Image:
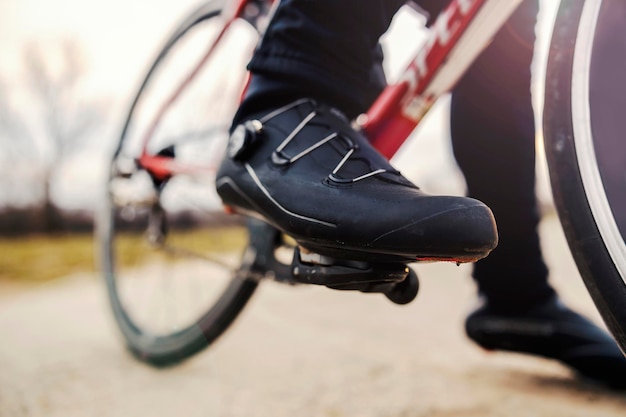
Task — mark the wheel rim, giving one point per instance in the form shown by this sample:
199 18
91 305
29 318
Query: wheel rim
141 322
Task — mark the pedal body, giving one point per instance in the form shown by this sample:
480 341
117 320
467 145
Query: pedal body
396 280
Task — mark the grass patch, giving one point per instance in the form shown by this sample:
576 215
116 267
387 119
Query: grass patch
41 258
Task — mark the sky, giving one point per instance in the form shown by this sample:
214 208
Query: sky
119 38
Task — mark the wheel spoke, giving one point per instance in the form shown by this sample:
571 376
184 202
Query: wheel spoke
172 258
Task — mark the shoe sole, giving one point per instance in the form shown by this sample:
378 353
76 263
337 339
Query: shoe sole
361 254
381 257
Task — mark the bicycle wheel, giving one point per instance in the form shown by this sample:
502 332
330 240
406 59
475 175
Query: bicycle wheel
171 259
585 147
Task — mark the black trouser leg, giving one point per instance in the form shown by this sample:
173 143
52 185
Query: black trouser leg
493 135
323 49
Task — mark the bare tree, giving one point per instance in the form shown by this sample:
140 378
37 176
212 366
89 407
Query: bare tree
16 148
12 128
56 121
66 119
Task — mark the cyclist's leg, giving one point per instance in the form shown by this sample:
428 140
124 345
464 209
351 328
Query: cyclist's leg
493 134
493 131
325 50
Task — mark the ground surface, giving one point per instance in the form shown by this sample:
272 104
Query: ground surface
294 352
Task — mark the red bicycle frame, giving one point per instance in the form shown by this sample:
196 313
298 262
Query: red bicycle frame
460 32
458 35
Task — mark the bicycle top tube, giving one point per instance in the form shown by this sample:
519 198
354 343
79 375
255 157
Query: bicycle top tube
459 34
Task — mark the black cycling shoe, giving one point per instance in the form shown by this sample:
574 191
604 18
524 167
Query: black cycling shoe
303 169
553 331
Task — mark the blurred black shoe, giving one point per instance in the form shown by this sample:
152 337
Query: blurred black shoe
553 331
304 169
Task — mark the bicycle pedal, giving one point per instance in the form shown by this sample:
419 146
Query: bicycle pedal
397 281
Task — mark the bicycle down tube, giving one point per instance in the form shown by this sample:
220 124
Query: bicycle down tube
457 37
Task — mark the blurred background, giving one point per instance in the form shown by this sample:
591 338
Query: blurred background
68 69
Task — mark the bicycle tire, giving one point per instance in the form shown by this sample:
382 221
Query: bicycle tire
584 95
173 345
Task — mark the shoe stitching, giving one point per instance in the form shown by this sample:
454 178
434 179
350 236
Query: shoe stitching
259 184
405 226
227 180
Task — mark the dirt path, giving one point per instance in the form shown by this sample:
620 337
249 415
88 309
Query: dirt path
294 352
